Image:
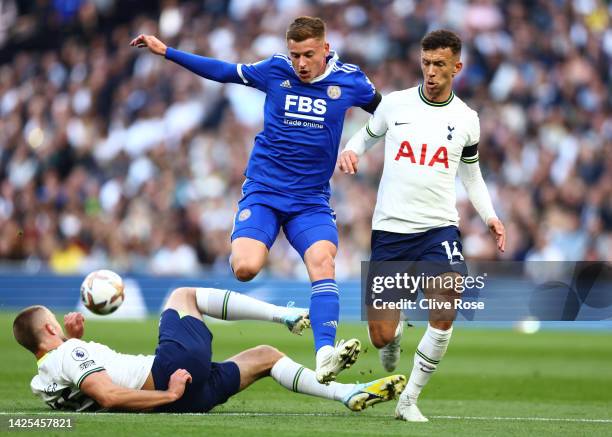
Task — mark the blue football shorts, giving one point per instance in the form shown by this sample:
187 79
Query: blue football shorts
261 214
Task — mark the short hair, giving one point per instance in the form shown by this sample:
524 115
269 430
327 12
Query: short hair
24 328
441 39
305 27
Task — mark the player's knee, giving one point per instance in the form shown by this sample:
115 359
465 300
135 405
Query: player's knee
245 270
381 337
181 297
321 263
268 356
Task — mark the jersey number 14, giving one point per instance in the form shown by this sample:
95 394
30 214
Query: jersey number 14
454 253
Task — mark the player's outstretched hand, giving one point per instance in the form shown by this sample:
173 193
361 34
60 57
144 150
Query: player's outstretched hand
179 379
348 162
74 324
155 45
499 232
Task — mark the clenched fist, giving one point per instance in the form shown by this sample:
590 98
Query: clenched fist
179 379
74 324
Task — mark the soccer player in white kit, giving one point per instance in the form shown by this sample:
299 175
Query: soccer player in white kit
180 377
430 136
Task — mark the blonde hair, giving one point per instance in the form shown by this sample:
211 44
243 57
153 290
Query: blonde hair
25 329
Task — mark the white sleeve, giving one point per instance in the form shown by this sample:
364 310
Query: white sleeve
469 172
78 362
371 133
474 130
476 189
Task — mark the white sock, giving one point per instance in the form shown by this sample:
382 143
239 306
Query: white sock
430 351
298 378
229 305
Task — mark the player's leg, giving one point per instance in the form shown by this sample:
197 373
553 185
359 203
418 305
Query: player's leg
248 257
314 235
385 330
430 351
255 229
434 343
264 361
324 298
385 326
230 305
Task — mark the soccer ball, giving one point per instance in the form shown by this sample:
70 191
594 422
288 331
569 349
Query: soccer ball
102 292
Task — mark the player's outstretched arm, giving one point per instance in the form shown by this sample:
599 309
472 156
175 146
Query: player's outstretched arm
74 323
101 388
208 68
477 191
363 140
359 143
151 42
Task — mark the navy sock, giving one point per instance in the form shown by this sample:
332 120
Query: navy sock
324 312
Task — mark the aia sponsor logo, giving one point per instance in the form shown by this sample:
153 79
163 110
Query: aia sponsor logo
439 157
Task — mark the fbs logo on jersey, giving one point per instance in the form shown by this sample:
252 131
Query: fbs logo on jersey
79 354
450 132
305 108
285 84
439 157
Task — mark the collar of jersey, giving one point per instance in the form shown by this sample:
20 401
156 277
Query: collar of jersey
432 103
43 358
333 57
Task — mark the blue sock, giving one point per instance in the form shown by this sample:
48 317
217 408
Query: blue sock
324 312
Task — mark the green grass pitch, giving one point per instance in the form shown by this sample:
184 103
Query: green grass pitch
491 382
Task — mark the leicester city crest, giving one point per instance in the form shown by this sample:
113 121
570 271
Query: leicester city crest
333 91
244 214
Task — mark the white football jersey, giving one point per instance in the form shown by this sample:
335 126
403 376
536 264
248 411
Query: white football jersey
424 143
62 370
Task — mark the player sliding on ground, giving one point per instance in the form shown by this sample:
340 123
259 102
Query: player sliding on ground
430 134
87 376
293 159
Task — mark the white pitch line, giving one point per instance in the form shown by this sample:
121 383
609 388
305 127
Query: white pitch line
260 414
526 419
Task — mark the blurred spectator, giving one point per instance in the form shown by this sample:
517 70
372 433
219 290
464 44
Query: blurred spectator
111 157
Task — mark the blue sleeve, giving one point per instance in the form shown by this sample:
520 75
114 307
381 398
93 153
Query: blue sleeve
256 75
208 68
364 90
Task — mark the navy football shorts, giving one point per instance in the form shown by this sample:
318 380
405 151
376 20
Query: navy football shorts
186 343
261 214
427 254
439 246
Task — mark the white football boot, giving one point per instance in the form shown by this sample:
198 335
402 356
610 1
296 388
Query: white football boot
408 411
296 319
332 360
390 354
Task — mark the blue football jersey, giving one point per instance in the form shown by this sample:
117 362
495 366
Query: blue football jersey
297 150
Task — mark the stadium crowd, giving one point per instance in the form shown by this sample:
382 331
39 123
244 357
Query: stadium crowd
112 157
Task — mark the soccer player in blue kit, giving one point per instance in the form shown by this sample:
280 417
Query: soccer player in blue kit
293 159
